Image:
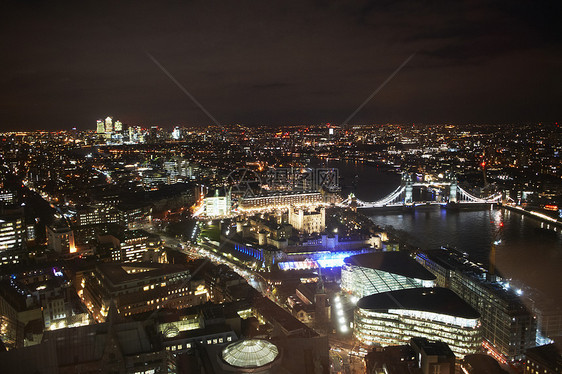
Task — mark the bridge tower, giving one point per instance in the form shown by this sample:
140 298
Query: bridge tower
409 188
453 188
353 203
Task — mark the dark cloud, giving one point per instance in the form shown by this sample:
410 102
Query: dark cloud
68 63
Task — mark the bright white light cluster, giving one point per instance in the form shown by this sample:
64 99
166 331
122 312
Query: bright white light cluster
437 317
341 315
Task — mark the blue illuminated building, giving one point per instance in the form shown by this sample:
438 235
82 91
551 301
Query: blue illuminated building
256 253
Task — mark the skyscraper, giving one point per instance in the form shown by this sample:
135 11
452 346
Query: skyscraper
100 129
12 230
109 125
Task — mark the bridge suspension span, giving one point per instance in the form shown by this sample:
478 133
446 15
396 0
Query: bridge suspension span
403 195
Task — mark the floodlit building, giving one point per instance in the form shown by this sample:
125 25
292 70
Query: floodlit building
393 318
371 273
282 200
308 221
218 204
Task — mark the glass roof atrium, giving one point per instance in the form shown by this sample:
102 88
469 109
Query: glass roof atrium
250 353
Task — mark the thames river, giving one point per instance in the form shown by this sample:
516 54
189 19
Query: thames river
528 251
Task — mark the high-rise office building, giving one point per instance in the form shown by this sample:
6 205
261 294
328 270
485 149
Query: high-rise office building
109 125
176 133
100 127
7 197
12 231
508 327
118 126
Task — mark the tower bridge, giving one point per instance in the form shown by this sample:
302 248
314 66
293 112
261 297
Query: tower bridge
403 195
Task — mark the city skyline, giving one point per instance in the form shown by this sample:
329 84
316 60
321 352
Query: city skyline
295 239
279 64
281 187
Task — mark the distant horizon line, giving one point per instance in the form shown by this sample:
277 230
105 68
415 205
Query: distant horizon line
316 125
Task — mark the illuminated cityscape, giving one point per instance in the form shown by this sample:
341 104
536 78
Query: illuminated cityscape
422 234
223 250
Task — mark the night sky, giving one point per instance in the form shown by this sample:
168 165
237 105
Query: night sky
68 63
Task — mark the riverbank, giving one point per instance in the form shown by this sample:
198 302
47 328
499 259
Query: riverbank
536 215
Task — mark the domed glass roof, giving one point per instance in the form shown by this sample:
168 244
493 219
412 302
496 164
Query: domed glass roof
250 353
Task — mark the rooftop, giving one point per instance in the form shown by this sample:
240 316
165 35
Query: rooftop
432 348
435 300
548 355
482 364
250 353
392 262
120 273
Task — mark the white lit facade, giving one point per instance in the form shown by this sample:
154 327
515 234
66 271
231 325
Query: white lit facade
100 127
217 205
109 125
398 326
308 221
97 214
393 318
12 233
281 200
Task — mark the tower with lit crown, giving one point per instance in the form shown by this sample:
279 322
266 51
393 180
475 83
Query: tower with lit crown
109 125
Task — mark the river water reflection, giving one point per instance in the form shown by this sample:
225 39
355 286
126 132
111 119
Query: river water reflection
528 251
